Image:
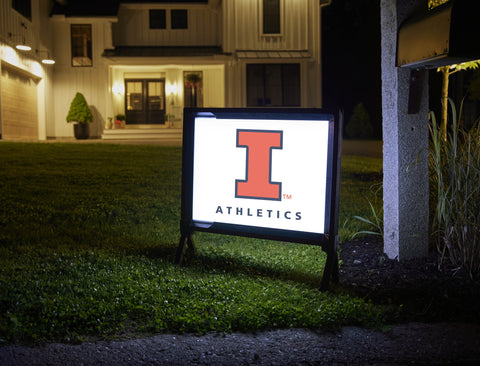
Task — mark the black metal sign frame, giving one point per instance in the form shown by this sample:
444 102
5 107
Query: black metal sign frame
328 240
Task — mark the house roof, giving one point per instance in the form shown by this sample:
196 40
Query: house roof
160 51
165 1
89 8
85 8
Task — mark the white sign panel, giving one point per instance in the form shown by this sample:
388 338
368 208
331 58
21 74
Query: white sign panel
260 172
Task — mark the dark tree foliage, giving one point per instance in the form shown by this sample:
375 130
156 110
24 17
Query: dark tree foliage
351 58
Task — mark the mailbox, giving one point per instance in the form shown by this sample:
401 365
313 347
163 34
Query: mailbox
446 35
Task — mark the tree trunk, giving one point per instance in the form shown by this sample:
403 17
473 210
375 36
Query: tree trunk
444 98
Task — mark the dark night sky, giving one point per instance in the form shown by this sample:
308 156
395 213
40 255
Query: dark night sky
351 58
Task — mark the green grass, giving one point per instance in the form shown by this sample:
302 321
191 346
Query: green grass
361 184
88 234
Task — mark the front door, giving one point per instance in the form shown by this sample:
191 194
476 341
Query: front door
145 101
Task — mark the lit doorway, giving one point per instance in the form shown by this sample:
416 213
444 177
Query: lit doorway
145 101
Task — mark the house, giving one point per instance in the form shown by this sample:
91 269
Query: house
147 60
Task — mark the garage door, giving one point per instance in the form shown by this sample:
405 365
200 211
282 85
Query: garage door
19 105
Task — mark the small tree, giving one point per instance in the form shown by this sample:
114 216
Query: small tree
359 125
446 72
79 110
434 3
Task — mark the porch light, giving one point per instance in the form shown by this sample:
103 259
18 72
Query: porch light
172 88
118 89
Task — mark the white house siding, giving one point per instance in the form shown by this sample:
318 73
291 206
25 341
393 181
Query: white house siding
242 19
91 81
214 87
233 25
299 42
133 27
14 27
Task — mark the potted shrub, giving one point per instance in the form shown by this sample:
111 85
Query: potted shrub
120 120
81 115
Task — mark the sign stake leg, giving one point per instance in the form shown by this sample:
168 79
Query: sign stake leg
331 271
185 242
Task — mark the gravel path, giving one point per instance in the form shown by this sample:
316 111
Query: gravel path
405 344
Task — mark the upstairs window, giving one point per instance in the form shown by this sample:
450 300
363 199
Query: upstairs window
158 19
179 19
271 17
24 7
81 39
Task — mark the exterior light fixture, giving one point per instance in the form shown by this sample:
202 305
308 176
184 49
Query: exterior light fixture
172 88
118 89
22 44
46 60
172 91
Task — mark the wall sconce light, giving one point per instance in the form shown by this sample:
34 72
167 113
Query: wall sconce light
172 89
118 89
47 60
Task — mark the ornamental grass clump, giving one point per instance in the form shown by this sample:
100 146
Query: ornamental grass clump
455 181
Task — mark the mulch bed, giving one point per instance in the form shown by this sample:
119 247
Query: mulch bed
418 287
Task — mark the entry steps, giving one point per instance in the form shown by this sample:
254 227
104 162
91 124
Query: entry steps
148 133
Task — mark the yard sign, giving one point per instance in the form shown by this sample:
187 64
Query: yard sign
264 173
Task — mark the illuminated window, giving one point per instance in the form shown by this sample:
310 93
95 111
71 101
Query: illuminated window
81 45
145 101
134 95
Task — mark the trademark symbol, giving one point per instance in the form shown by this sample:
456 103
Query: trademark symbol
287 196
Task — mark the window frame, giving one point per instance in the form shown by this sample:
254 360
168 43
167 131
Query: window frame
153 13
263 80
262 5
145 113
88 46
178 11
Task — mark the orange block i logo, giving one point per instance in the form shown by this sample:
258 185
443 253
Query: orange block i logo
258 184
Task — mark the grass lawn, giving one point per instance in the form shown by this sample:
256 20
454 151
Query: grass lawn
88 234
